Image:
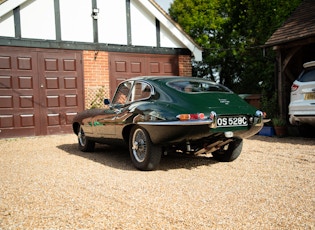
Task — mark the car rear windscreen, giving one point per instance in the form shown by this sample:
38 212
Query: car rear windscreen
307 75
197 86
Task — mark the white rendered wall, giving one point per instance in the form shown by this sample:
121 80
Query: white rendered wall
112 25
167 39
76 20
38 19
38 22
143 29
7 25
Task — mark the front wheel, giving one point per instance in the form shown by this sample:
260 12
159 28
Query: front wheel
144 154
231 153
85 145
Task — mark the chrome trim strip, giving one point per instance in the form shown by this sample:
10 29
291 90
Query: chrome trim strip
166 123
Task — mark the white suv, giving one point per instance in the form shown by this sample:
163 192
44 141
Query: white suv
302 105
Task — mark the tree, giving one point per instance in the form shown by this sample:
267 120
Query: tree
232 33
201 20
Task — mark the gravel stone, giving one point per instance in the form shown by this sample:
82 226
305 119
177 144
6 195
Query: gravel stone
47 183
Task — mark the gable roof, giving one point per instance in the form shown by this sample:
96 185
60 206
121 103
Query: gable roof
9 5
151 6
168 22
300 25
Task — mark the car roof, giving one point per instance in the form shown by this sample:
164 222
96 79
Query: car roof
168 78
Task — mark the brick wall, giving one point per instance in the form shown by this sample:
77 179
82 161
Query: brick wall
184 65
96 77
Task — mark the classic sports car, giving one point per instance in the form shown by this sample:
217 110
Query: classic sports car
155 115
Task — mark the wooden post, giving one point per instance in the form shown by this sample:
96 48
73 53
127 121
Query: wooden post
280 83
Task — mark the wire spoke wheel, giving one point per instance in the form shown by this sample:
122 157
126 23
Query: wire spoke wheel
139 145
85 145
144 155
81 137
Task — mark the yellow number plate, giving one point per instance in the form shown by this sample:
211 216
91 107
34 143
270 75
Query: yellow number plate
309 96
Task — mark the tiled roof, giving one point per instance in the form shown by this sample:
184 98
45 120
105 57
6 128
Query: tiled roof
301 24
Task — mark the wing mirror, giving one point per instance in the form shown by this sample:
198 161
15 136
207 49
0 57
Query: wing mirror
106 101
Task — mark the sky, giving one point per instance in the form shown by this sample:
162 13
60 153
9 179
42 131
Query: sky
165 4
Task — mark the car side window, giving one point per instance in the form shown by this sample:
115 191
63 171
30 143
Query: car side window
122 93
140 91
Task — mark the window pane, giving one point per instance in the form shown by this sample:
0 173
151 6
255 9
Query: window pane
141 90
121 96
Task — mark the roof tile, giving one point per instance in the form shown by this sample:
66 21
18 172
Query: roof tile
301 24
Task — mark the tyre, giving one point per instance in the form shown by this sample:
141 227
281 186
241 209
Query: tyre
231 153
144 155
306 130
85 145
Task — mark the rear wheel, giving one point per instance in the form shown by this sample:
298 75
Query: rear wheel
306 130
231 153
85 145
144 154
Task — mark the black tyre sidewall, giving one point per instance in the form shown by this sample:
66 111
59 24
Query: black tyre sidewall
233 151
87 145
306 130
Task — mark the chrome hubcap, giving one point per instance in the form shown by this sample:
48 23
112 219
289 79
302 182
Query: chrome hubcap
135 145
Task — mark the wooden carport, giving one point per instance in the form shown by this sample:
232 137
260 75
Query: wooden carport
294 44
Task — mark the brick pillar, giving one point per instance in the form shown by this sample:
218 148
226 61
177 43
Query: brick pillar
96 77
184 64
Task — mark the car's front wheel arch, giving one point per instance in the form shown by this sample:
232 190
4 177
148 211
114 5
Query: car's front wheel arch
126 132
76 127
85 144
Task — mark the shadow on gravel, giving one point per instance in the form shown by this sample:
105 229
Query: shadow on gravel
118 157
285 140
177 161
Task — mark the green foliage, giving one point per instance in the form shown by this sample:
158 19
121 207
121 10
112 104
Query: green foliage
231 33
98 101
278 121
269 104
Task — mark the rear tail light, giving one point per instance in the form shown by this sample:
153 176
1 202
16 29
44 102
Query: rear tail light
187 117
294 87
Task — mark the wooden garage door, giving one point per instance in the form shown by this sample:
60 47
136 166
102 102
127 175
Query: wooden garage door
40 91
125 65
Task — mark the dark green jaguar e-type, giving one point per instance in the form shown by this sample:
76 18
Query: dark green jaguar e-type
155 115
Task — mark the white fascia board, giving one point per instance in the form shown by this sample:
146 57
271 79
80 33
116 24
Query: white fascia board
181 35
10 5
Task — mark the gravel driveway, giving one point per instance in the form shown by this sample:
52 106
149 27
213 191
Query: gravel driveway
46 183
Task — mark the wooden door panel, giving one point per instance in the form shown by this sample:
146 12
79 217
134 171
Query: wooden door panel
62 86
127 65
40 91
19 106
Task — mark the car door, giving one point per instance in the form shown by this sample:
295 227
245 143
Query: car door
105 124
